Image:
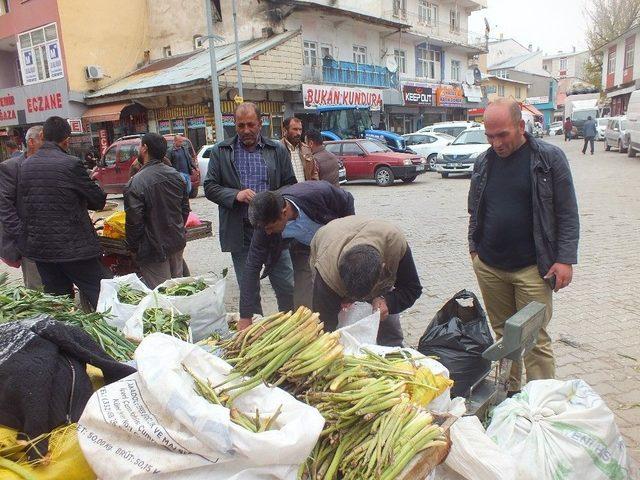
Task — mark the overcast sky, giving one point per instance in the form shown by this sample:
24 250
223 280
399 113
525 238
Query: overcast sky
551 25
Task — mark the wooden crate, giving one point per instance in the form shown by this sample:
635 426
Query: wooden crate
424 463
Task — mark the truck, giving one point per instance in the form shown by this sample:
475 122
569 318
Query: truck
346 122
579 107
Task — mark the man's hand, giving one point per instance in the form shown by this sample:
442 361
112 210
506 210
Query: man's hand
563 274
245 196
244 323
380 303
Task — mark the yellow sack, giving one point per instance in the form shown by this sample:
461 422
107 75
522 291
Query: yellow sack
425 385
64 460
114 225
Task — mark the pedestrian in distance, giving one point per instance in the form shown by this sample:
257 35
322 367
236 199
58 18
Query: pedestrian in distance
327 162
567 126
56 194
304 166
288 218
180 157
357 259
13 149
156 203
10 224
523 228
239 168
590 131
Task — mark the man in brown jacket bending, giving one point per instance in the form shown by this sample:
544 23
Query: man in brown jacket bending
360 259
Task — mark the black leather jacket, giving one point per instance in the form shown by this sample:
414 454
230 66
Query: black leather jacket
556 225
157 206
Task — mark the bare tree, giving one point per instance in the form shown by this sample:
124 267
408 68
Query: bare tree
606 20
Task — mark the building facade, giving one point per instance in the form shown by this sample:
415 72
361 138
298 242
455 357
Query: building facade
621 69
568 70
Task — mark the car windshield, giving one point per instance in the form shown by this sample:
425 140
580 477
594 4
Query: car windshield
371 146
445 136
471 137
583 115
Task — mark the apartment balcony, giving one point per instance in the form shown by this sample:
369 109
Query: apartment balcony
357 74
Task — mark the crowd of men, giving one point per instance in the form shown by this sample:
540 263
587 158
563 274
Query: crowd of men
283 215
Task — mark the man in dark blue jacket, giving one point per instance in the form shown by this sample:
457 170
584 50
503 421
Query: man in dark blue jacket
288 218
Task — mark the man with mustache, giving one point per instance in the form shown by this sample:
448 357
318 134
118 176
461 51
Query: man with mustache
304 165
239 168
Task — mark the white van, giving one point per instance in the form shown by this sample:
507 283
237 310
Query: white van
633 123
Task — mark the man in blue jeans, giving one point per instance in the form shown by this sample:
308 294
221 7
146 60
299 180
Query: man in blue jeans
239 168
181 160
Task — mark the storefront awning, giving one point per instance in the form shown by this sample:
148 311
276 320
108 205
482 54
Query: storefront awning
105 113
531 109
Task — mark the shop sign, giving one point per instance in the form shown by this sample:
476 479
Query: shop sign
104 140
449 96
75 124
40 54
537 100
177 125
197 122
164 126
34 103
314 96
413 95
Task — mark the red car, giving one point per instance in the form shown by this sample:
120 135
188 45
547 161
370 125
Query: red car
367 159
112 172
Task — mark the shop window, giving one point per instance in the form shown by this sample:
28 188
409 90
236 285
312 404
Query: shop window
359 54
40 55
166 51
276 126
310 53
401 60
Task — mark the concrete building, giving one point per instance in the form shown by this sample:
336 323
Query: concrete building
567 69
621 69
47 64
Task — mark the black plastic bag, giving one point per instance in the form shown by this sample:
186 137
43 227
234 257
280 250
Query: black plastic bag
458 335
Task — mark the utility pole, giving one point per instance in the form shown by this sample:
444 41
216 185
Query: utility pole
238 65
217 113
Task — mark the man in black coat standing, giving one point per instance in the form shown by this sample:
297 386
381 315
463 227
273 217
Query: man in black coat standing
239 168
58 235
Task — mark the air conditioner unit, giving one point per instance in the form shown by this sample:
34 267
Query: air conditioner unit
94 72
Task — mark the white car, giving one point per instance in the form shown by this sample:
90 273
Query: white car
428 145
454 128
203 159
556 129
460 156
601 127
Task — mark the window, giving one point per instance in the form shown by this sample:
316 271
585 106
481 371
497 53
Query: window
399 8
110 157
611 63
401 60
428 62
427 13
629 48
502 74
333 148
456 66
454 21
518 92
198 41
216 11
359 54
40 55
326 50
501 90
351 148
563 64
166 51
310 53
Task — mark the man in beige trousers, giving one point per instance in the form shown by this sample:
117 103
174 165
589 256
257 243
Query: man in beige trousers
523 228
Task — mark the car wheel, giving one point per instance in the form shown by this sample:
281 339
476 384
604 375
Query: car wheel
409 179
607 147
621 148
630 152
384 176
194 192
431 159
445 175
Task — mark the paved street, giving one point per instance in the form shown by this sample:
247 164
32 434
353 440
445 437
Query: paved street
596 319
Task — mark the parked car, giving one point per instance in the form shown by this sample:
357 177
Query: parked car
616 134
601 126
112 171
460 156
428 145
556 129
450 128
633 124
369 159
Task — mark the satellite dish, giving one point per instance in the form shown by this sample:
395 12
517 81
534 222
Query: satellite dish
392 65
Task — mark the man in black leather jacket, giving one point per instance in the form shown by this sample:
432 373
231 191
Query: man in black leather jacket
55 194
156 203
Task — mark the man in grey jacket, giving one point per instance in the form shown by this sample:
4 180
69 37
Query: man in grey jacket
523 228
239 168
590 130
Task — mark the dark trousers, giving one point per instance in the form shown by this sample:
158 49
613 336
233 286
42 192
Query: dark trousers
567 136
586 141
59 278
302 275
